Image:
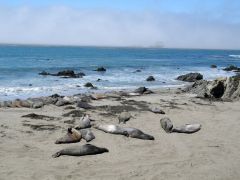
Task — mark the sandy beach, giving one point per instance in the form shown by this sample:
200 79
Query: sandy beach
26 146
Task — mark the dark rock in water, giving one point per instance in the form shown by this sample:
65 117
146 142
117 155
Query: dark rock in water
36 116
138 70
99 80
232 68
65 74
81 74
100 69
44 73
29 84
88 84
190 77
143 90
213 66
84 105
150 78
68 73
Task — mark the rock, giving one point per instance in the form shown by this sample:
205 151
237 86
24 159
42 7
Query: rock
232 68
37 105
68 73
143 90
150 78
89 85
81 74
124 117
156 110
55 96
44 73
213 66
99 80
190 77
84 105
100 69
138 70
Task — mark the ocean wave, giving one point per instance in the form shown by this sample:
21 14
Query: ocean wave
237 56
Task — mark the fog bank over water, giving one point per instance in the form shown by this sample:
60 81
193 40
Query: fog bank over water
63 25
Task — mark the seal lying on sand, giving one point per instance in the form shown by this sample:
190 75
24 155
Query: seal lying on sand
187 128
87 134
83 150
124 117
72 136
167 125
84 123
129 132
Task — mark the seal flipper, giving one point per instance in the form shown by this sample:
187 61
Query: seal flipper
57 154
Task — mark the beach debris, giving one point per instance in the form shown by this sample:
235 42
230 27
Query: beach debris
80 150
190 77
73 113
100 69
156 110
168 127
124 117
87 134
150 78
37 116
84 122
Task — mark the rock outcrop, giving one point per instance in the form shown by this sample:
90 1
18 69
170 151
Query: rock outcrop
190 77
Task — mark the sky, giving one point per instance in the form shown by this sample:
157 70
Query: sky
201 24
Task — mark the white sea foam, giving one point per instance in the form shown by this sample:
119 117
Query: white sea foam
237 56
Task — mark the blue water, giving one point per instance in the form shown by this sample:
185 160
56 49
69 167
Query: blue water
20 65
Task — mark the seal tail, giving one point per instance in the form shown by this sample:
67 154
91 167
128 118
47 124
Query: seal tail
57 154
147 137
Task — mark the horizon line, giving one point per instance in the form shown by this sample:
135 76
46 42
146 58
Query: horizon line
109 46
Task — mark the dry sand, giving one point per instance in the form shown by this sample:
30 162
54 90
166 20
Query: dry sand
211 153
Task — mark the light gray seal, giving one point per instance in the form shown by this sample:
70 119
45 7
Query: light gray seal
83 150
84 122
87 134
167 125
187 128
72 136
124 117
129 132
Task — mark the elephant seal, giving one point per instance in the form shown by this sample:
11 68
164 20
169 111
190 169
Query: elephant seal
72 136
113 129
129 132
85 122
83 150
87 134
166 124
124 117
136 133
187 128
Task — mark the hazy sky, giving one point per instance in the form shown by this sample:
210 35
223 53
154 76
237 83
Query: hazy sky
146 23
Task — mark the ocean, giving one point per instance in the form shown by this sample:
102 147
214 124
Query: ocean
20 65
